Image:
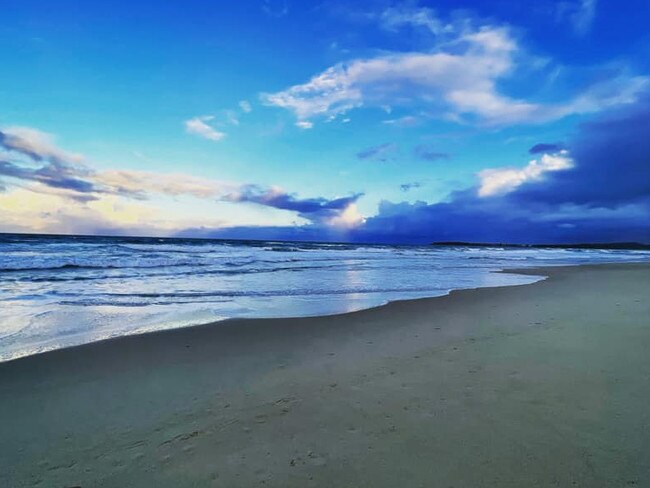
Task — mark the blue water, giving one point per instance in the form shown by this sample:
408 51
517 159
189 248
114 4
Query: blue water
62 291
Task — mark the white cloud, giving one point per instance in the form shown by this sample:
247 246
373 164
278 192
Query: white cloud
464 81
245 106
405 121
329 93
458 79
199 126
349 218
500 181
304 124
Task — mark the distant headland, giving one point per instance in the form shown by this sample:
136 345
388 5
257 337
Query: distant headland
582 245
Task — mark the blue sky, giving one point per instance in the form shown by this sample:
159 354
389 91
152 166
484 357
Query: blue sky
383 121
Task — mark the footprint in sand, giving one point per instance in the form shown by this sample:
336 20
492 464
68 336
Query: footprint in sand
261 418
316 459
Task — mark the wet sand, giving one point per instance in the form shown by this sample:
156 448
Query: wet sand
541 385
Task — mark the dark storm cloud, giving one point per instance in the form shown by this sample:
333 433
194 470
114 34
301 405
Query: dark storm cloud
315 209
36 146
612 164
52 175
59 170
15 171
11 142
477 221
605 196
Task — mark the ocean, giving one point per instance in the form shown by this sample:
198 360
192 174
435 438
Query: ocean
58 291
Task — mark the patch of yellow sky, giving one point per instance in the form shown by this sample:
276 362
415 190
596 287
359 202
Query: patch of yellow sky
36 208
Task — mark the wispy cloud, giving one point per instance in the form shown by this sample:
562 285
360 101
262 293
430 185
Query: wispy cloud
579 13
382 152
60 175
304 124
395 17
428 153
405 121
210 126
60 169
64 171
141 184
199 126
231 117
275 8
37 145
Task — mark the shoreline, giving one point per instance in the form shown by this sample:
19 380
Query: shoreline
520 271
539 385
226 321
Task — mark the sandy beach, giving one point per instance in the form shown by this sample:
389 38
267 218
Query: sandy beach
541 385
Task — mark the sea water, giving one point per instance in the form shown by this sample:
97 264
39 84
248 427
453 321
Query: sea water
61 291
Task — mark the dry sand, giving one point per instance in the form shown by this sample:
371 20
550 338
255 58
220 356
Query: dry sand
541 385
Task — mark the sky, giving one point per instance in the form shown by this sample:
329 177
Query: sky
367 121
